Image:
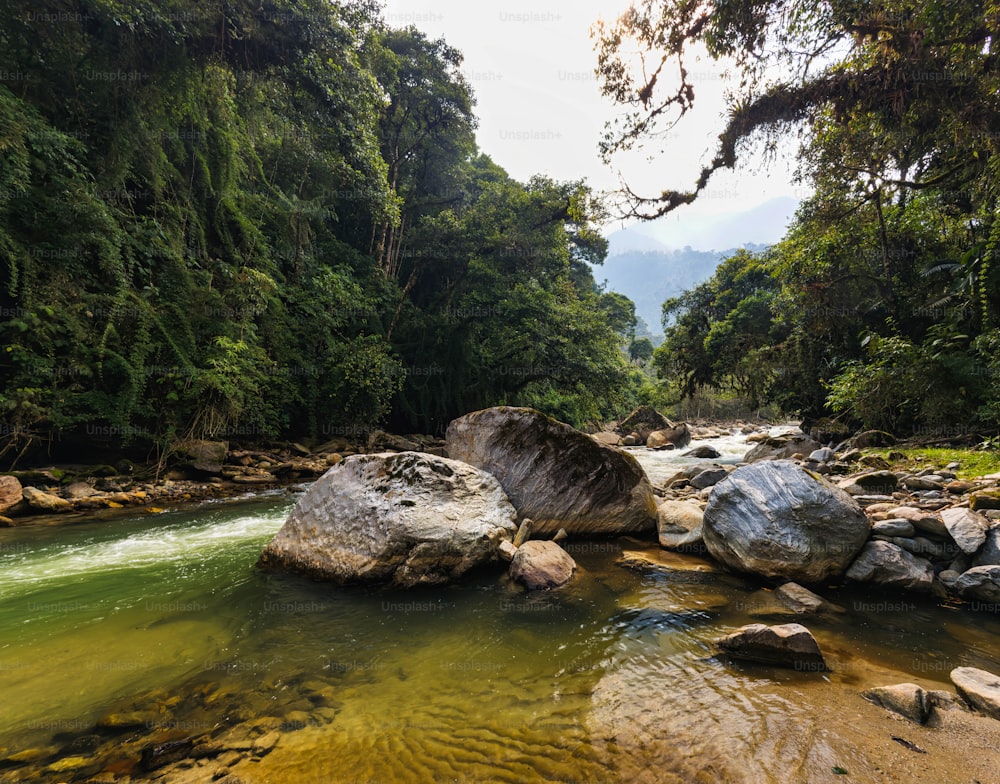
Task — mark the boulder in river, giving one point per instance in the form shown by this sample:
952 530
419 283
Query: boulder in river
11 493
679 524
541 565
885 563
786 645
554 474
703 452
979 688
400 519
674 437
776 519
643 421
782 447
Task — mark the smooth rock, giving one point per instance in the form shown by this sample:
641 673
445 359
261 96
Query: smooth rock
906 699
786 645
11 492
676 437
401 519
45 502
872 483
802 600
703 452
966 528
607 437
541 565
979 688
890 565
922 483
922 520
679 524
554 474
507 550
893 527
781 447
776 519
979 582
708 478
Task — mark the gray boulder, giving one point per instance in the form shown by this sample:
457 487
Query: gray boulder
786 645
776 519
966 527
679 524
708 478
872 483
703 452
206 457
885 563
894 527
554 474
540 565
399 519
989 554
782 447
979 688
979 582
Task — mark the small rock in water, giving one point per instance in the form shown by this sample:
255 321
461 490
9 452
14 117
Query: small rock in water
156 756
979 688
906 699
542 565
802 600
787 645
705 452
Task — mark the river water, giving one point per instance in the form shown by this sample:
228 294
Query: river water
612 679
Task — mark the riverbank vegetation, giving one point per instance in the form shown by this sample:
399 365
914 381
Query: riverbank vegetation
882 303
258 220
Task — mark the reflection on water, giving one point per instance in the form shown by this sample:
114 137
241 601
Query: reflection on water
157 629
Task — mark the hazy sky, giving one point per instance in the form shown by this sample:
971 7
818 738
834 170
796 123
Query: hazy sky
540 111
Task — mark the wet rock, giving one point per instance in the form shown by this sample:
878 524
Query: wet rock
704 452
206 457
45 502
966 528
401 519
906 699
979 688
161 754
979 582
786 645
554 474
266 743
643 421
11 493
782 447
776 519
679 524
708 478
128 720
540 565
893 527
801 600
675 437
888 564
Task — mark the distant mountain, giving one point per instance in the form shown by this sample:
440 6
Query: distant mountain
645 264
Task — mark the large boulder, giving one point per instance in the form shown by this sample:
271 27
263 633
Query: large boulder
643 421
776 519
11 493
541 565
398 519
675 437
885 563
206 457
786 645
782 447
554 474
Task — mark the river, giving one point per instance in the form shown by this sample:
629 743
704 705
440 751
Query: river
613 679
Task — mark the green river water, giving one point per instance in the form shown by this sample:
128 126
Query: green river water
613 679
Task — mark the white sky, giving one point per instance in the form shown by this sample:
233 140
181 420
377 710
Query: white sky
531 66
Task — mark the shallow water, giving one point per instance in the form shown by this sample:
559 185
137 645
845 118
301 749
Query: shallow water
611 679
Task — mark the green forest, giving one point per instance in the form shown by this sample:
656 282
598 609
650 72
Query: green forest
264 220
259 220
881 306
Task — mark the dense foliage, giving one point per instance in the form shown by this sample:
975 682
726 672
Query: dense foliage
248 220
882 304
